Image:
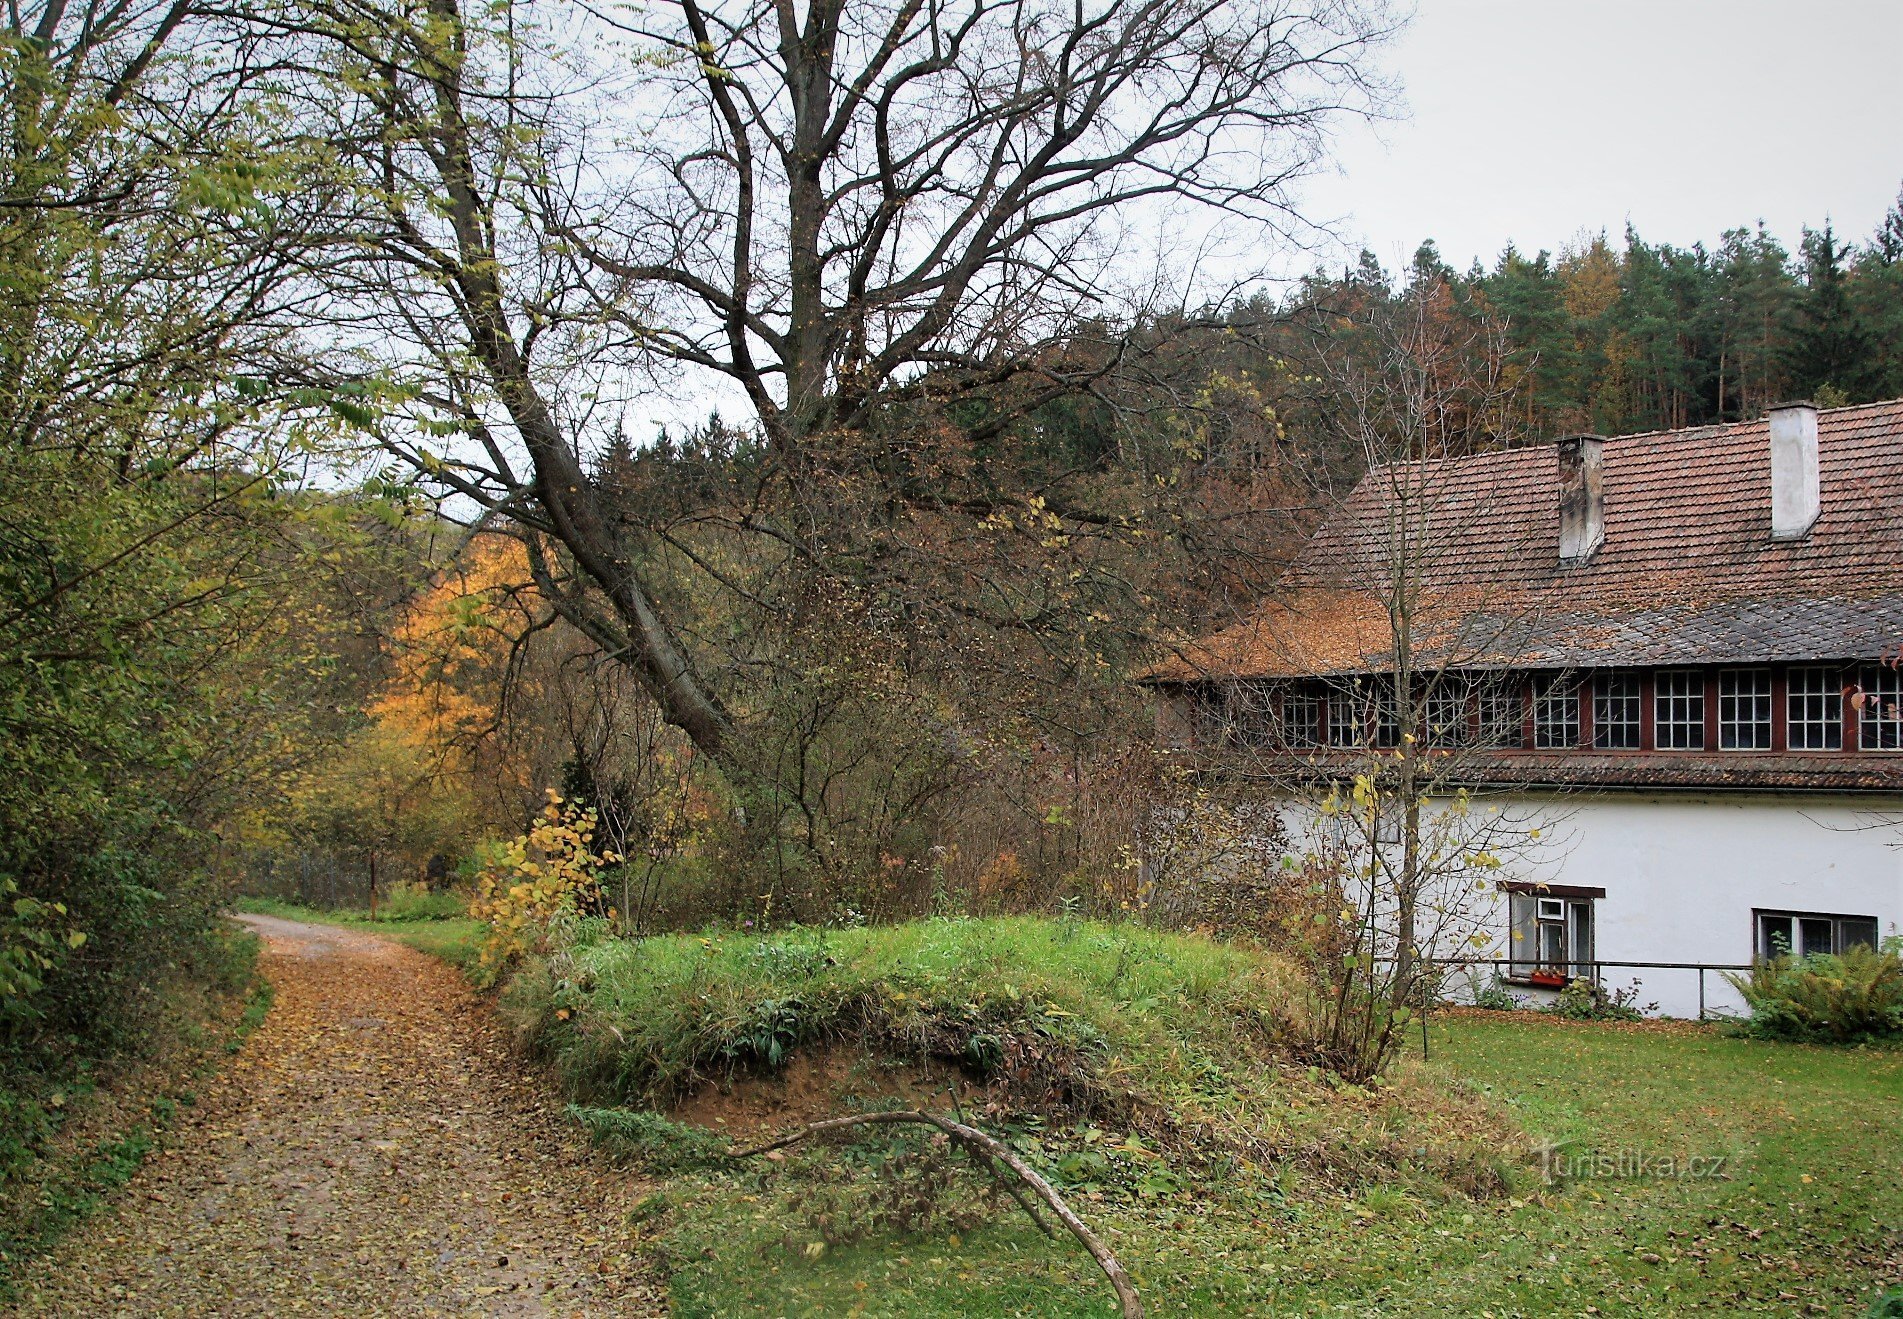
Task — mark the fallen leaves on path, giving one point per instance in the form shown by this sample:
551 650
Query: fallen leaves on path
372 1151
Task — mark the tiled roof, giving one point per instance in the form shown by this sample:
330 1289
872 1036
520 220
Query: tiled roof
1688 572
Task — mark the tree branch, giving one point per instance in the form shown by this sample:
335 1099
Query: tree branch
995 1152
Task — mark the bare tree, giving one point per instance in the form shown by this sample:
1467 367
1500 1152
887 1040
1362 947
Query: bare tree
1411 646
853 211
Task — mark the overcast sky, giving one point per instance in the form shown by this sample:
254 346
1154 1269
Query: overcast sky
1535 120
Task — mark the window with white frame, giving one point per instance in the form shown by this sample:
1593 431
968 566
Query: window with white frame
1250 714
1813 709
1387 716
1301 717
1444 713
1744 709
1678 710
1880 699
1347 725
1555 712
1615 711
1500 712
1811 934
1551 935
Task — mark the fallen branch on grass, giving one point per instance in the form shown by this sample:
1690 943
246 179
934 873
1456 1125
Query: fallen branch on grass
992 1153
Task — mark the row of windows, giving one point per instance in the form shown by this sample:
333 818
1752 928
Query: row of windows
1461 711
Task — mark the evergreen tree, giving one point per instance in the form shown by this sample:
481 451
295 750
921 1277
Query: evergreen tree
1758 296
1876 295
1526 294
1656 317
1887 246
1589 287
1830 347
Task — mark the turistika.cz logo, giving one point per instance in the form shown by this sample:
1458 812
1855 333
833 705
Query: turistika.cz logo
1559 1163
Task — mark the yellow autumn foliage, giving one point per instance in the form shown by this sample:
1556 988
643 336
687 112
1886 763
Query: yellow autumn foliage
537 879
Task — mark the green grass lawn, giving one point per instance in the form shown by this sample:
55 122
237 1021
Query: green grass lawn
455 939
1807 1218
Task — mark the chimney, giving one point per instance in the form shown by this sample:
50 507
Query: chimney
1794 489
1582 498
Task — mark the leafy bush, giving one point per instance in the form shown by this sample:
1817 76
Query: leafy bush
546 875
30 946
1494 996
1587 1000
1832 998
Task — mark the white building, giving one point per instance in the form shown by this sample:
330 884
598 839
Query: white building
1679 647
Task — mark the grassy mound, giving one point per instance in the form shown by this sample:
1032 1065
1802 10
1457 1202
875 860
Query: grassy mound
1044 1026
1066 1018
1143 1073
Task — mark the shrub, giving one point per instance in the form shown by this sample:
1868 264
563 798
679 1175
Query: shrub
1840 999
549 874
1494 996
1587 1000
657 1143
31 945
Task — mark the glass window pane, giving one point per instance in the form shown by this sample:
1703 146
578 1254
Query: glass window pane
1581 949
1881 699
1555 713
1744 709
1445 713
1678 710
1248 713
1552 944
1775 937
1346 724
1301 718
1500 713
1387 716
1817 935
1813 709
1523 937
1615 711
1856 931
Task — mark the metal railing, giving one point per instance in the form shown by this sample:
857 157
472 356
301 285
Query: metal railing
1591 968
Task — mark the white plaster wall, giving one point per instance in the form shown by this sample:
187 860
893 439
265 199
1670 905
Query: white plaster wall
1682 875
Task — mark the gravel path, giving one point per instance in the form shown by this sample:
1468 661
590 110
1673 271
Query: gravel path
372 1151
